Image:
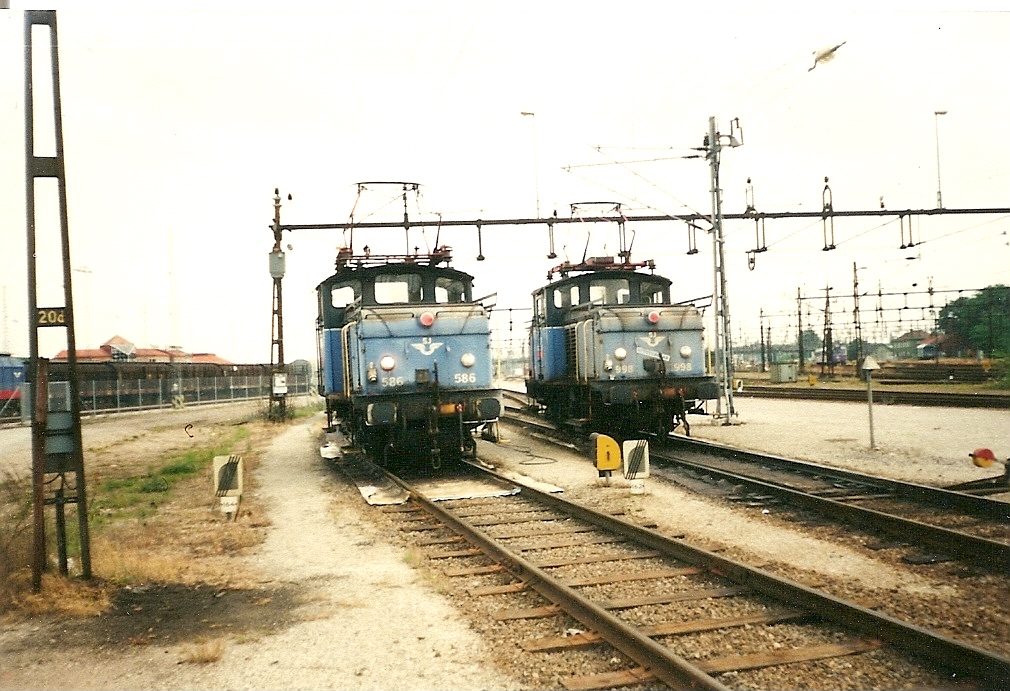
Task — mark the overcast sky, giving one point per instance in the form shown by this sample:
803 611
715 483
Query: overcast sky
178 124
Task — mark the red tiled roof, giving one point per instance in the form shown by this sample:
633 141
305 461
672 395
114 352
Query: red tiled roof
104 354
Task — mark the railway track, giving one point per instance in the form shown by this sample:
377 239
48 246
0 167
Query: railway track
610 603
940 524
997 401
934 524
945 399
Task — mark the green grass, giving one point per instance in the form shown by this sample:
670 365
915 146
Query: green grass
15 528
139 496
307 410
132 498
295 412
187 466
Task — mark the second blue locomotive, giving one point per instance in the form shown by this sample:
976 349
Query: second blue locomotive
405 359
609 349
12 377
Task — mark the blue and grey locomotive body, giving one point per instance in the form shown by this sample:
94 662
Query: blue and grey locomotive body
608 348
12 377
405 359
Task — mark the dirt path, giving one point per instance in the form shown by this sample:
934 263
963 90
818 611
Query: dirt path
341 609
329 601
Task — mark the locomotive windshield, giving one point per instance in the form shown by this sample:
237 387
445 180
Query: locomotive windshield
409 287
654 293
449 290
609 291
398 287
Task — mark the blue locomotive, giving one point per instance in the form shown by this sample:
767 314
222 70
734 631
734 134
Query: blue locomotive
405 361
12 376
609 350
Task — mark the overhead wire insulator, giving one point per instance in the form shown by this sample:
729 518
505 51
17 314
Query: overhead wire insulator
692 238
622 239
828 220
550 237
760 245
748 196
911 242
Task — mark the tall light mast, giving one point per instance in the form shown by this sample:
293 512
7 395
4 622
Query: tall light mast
714 143
278 384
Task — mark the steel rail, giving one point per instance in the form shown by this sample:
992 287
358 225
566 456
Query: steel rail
935 496
991 554
981 551
938 496
668 667
946 652
930 398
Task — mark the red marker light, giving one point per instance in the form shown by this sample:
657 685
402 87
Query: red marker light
427 319
983 458
653 317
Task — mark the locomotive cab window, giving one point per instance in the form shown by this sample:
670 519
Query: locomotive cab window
538 308
654 293
393 288
566 296
449 290
343 295
610 291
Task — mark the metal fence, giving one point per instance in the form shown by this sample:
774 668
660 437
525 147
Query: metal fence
141 394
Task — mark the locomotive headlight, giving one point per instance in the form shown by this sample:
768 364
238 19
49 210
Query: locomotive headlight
685 351
468 360
653 317
426 319
620 353
386 362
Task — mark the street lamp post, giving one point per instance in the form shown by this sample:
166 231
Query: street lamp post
870 364
936 127
536 167
714 143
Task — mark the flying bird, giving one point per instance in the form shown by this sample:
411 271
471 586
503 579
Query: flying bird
825 55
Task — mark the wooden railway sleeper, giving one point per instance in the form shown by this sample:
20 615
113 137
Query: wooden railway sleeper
655 660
